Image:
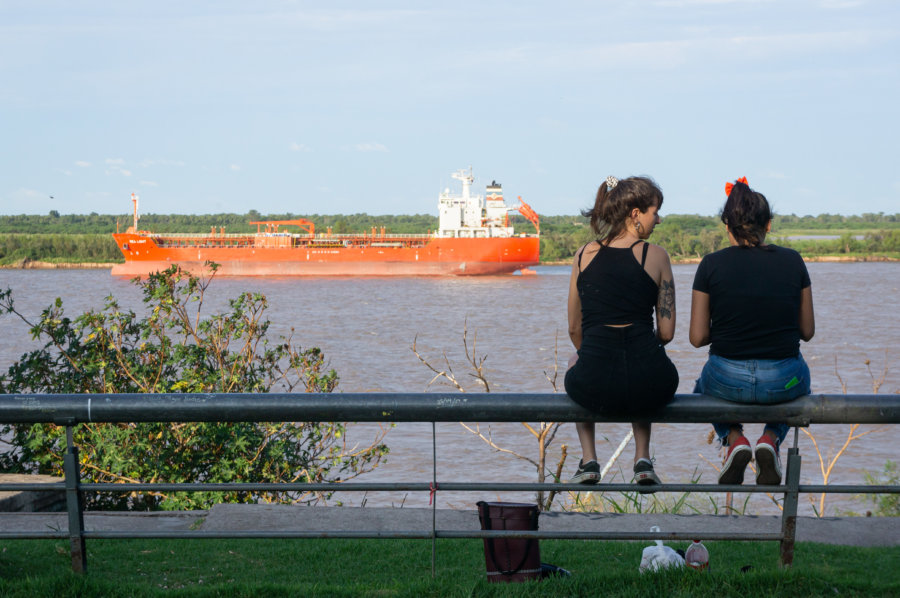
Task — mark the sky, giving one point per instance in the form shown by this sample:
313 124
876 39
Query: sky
344 107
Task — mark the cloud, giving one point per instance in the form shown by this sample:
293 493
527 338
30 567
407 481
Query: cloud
147 162
234 167
300 147
115 166
92 195
775 175
148 183
839 4
82 164
690 46
805 191
28 194
370 147
692 3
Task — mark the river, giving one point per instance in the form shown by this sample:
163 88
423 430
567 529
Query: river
366 327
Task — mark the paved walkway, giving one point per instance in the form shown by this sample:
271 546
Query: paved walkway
849 531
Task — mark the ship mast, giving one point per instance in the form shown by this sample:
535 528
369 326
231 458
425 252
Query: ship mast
467 179
134 200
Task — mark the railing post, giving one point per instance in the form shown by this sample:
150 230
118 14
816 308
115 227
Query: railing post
789 508
433 499
74 504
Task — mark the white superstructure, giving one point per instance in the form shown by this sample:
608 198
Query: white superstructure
470 215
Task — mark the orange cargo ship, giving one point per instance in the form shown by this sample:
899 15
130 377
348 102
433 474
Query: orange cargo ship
473 237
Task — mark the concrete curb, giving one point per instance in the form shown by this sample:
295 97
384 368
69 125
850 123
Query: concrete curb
846 531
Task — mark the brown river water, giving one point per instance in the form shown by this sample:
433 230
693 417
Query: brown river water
366 327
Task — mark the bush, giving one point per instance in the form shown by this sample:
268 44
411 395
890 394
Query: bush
886 505
174 349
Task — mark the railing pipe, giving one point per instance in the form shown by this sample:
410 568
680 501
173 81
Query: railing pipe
424 407
443 486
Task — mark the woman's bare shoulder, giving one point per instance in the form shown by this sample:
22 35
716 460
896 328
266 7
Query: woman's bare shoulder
588 249
585 254
656 252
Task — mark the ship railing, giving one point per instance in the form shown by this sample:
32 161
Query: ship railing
306 236
203 235
76 410
367 236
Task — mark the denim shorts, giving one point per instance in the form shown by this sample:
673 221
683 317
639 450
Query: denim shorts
759 381
755 381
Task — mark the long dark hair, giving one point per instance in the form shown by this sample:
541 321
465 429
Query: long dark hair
747 214
614 204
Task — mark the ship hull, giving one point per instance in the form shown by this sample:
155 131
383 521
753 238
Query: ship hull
436 257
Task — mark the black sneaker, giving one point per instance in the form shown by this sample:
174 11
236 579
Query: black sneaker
644 475
588 473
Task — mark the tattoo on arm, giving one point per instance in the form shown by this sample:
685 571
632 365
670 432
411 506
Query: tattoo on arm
666 302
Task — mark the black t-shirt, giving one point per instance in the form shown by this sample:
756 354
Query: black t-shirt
754 301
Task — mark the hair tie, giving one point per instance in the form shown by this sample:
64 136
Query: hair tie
611 182
730 186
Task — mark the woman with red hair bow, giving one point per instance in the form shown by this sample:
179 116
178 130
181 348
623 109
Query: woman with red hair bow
752 304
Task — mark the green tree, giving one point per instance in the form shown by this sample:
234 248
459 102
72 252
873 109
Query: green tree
174 348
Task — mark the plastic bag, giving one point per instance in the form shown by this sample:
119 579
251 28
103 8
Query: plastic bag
659 556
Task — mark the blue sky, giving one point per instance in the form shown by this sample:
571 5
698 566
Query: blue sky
345 107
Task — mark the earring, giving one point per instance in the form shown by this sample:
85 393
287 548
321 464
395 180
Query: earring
638 226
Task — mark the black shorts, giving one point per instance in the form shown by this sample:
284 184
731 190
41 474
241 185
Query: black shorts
622 371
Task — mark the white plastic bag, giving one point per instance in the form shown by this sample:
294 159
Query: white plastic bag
659 556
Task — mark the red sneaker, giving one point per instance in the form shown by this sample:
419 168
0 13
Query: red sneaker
768 463
739 455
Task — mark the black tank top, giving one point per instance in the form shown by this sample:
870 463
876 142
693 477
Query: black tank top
615 289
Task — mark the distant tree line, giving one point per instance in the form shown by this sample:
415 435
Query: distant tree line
691 236
198 223
86 238
94 223
60 248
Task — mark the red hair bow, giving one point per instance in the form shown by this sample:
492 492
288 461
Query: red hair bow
730 186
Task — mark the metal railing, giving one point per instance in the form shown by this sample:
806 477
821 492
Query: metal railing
73 410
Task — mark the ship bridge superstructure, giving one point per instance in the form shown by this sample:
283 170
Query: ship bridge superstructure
472 216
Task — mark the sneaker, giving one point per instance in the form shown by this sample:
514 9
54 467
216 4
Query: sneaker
588 473
644 474
768 464
739 455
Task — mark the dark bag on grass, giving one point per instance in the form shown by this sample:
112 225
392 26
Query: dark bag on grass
510 559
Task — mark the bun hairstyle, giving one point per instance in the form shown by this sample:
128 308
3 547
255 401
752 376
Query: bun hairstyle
615 201
746 213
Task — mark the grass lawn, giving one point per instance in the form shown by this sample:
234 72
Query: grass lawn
386 568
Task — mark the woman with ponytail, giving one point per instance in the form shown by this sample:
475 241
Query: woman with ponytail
752 304
617 283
